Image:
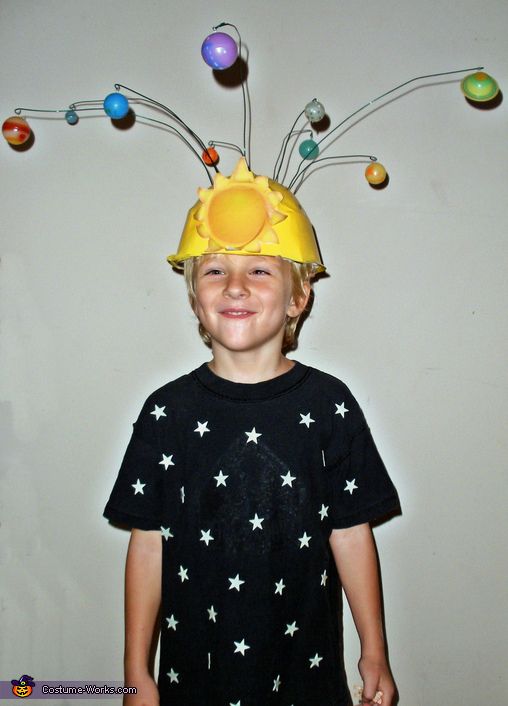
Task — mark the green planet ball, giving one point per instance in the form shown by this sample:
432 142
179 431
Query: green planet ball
479 87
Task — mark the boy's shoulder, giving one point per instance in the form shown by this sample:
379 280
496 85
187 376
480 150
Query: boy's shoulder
329 382
172 388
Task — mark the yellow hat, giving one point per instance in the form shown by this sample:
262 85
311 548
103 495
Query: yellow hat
247 214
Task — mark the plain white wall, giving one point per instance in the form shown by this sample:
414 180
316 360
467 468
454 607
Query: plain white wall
412 317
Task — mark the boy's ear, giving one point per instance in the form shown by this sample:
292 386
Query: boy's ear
297 304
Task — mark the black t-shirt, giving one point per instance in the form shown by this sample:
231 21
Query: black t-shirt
245 483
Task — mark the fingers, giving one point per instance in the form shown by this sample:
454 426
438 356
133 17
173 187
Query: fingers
378 699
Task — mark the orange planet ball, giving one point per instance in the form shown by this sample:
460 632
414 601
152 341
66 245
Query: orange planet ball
210 156
375 173
16 130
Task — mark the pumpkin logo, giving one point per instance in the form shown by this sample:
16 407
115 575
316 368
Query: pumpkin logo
23 686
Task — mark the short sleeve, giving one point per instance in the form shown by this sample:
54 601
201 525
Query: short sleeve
361 489
136 499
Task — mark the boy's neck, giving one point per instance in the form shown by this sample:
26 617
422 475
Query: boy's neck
249 367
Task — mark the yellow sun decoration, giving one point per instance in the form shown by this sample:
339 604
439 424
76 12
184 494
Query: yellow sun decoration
238 212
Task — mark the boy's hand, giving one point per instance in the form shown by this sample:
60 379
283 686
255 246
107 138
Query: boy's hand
148 693
378 685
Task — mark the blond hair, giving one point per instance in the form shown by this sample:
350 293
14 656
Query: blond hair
301 274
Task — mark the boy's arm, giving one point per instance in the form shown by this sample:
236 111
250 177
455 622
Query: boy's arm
142 602
356 560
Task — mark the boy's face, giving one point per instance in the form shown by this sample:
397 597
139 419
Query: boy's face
243 300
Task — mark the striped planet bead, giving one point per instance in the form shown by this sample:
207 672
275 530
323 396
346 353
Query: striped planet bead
16 130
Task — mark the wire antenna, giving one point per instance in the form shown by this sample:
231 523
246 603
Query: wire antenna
374 100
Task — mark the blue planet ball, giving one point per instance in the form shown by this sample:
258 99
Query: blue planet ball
116 106
72 117
219 50
308 149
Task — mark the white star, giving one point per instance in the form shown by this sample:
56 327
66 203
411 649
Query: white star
288 479
236 582
206 537
172 623
256 522
183 574
221 479
314 661
306 419
350 485
238 703
341 409
276 683
138 487
173 675
166 461
291 629
241 647
324 512
324 578
304 540
252 435
158 412
212 614
279 587
202 428
166 532
182 494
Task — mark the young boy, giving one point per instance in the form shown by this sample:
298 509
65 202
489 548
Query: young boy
249 484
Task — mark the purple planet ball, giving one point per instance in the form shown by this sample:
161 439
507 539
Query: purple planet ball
219 50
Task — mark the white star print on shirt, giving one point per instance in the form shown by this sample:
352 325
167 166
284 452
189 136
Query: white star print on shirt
238 703
291 628
172 623
236 582
252 435
221 479
279 587
323 512
183 574
166 532
341 409
288 479
173 676
256 522
166 461
212 614
159 412
206 537
324 578
276 683
138 487
350 485
202 428
241 647
306 419
304 540
314 661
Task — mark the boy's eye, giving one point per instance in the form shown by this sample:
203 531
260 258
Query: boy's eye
212 271
260 271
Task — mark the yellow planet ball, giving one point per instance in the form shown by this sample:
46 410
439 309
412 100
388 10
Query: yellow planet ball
375 173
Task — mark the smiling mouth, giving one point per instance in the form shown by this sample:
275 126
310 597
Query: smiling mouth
236 313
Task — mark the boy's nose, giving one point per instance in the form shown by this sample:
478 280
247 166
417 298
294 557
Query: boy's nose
236 287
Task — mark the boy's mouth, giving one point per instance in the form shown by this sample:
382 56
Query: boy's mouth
236 313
